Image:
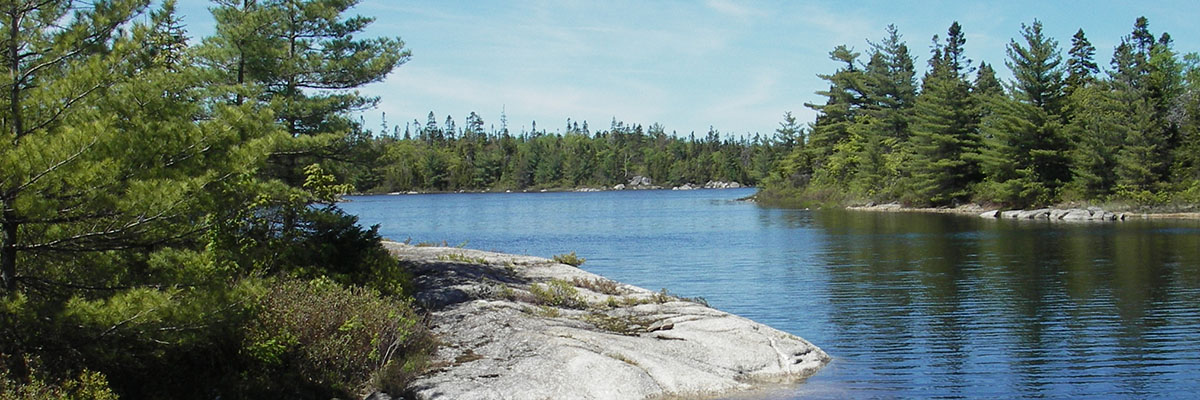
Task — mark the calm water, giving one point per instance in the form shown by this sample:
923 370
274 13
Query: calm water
925 306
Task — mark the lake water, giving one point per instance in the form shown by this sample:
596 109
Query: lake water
909 305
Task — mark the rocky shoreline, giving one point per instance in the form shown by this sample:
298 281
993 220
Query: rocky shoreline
1095 214
521 327
636 183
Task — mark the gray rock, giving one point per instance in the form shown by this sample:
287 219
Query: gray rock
640 181
1058 213
1076 214
619 186
990 214
496 344
1011 214
1041 213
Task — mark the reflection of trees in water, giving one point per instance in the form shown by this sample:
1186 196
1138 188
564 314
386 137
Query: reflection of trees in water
948 296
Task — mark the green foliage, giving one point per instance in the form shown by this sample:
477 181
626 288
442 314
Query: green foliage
320 339
557 293
1060 133
88 385
462 258
569 259
473 159
137 220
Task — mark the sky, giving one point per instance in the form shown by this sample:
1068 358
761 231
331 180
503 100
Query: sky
734 66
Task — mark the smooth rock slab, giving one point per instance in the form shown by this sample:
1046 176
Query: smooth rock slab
497 347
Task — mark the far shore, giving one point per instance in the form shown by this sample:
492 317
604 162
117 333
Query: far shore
543 190
973 209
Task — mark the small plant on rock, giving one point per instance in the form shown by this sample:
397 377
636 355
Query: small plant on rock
570 259
557 293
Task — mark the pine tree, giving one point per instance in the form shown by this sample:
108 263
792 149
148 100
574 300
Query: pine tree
1036 68
844 102
1097 129
115 160
941 170
301 57
1026 157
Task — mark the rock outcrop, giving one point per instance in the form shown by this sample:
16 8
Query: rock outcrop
1057 214
722 185
520 327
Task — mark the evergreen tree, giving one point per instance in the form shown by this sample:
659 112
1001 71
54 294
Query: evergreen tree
1081 64
844 102
1147 79
986 84
1097 128
1026 157
304 58
1036 68
945 129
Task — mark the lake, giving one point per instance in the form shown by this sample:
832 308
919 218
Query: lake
909 305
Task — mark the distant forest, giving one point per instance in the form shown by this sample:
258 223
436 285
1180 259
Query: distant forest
442 157
1064 130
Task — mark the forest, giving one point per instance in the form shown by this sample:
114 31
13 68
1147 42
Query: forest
168 219
433 157
1062 131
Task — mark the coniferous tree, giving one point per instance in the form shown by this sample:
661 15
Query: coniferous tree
1081 64
1026 157
945 128
1146 77
844 102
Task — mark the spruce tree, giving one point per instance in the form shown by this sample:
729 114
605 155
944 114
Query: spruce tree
1081 64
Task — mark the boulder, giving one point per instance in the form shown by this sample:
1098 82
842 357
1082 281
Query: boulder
1010 214
1041 213
990 214
619 186
1076 214
640 181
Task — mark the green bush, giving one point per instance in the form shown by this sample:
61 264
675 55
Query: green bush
88 385
570 259
321 339
557 293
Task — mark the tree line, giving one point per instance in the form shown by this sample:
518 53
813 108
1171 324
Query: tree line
442 157
1062 130
168 219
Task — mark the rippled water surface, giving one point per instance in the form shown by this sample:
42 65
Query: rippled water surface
909 305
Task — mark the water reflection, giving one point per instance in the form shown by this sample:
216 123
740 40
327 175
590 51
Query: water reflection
941 305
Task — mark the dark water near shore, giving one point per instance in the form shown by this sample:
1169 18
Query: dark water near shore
909 305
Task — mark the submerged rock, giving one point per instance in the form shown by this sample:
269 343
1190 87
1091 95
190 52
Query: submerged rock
504 338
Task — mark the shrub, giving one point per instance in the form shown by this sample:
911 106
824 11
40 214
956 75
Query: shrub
456 257
320 339
599 285
557 293
570 259
88 385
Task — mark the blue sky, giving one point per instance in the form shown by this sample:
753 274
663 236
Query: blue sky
688 65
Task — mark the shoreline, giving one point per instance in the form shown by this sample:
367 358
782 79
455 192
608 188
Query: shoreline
711 185
514 326
978 211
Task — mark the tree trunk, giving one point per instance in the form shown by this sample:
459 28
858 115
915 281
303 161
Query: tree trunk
8 252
